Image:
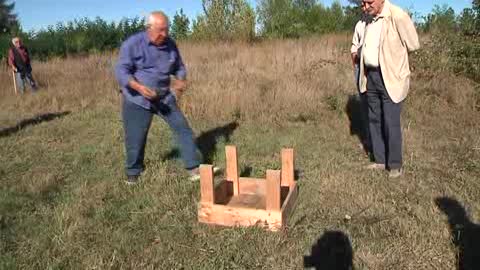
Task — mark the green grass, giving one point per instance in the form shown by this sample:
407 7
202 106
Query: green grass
63 204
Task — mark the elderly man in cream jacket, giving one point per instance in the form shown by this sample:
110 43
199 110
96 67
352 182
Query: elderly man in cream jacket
385 77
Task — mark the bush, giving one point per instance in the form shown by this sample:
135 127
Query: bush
295 18
225 20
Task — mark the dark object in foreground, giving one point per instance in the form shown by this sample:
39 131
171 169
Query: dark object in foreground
332 251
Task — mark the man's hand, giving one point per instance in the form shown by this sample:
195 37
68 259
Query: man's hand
143 90
354 59
179 87
148 93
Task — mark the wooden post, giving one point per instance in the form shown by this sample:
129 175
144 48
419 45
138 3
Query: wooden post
14 82
232 168
273 190
207 191
288 165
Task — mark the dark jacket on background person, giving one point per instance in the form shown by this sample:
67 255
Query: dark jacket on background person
19 57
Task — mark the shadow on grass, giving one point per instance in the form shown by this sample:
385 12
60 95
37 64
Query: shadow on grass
357 111
5 132
465 233
333 251
207 142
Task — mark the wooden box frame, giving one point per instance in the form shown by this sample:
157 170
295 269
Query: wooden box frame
242 201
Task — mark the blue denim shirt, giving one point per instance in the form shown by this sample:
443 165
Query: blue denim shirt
150 65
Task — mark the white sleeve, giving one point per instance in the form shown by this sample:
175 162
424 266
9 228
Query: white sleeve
356 38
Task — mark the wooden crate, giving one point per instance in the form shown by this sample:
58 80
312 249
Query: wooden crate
241 201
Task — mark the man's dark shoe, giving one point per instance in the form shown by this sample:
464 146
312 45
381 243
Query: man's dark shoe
132 180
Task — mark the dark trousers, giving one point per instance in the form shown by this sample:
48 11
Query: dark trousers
136 124
366 140
384 122
365 135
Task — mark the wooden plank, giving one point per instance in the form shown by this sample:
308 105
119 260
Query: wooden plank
248 186
15 83
288 167
232 167
252 185
289 204
206 184
239 216
251 179
273 190
253 201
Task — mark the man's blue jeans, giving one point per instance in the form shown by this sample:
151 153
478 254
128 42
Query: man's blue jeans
136 124
24 79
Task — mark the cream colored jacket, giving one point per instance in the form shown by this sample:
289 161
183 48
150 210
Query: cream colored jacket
398 37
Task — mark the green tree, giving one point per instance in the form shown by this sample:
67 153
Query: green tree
476 11
225 20
295 18
352 14
442 19
180 28
8 19
467 22
276 18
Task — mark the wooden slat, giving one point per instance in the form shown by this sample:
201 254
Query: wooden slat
232 168
273 190
206 184
253 201
239 216
288 167
289 204
251 179
252 185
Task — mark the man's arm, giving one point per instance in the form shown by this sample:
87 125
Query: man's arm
11 61
125 69
407 32
356 43
180 72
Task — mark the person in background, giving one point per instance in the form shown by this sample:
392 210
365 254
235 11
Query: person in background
19 62
146 62
385 78
355 50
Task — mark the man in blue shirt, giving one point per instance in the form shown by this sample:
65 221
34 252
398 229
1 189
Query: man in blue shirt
146 62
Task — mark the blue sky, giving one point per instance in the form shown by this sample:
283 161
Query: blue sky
35 14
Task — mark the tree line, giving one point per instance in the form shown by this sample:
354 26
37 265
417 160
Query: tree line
221 20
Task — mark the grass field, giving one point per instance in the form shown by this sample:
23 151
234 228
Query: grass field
63 203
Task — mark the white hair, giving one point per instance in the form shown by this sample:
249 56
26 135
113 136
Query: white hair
153 18
15 39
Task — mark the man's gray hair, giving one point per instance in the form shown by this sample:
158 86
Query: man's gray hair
152 17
